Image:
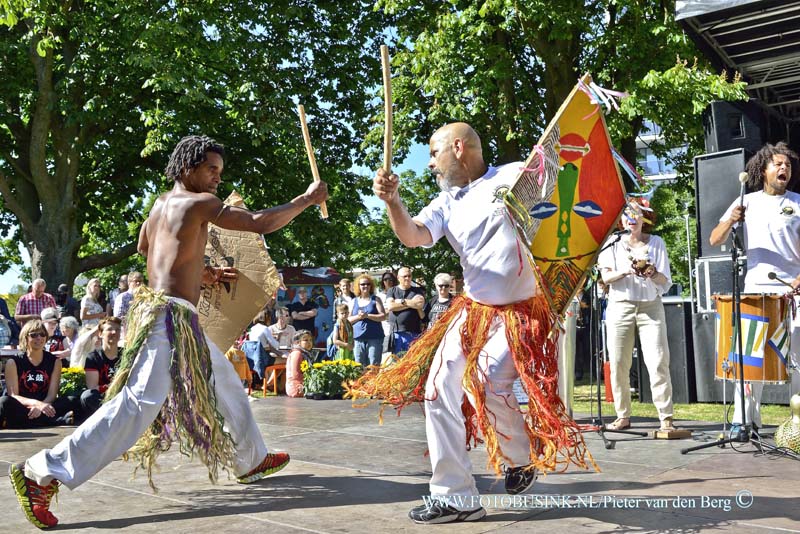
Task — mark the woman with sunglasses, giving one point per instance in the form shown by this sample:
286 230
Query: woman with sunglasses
32 381
366 316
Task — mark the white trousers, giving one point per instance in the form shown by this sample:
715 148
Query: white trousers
119 423
444 422
752 398
622 318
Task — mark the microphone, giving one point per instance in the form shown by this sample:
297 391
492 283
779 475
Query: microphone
772 276
742 180
621 232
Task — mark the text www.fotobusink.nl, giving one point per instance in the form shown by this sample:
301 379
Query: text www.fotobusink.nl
743 499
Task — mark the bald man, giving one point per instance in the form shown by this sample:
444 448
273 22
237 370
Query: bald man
468 352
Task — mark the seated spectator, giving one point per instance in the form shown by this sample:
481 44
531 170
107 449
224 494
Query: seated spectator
91 309
343 333
9 329
69 327
88 340
283 331
259 344
100 366
66 304
55 341
32 381
240 365
303 343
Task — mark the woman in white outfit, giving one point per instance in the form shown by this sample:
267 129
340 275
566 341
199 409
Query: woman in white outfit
636 269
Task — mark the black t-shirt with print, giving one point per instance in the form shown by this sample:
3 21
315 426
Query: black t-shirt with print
98 361
34 380
435 308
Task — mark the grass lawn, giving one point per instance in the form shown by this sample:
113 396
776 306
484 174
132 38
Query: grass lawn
584 402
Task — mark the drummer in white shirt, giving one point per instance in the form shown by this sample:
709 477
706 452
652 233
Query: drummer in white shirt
772 230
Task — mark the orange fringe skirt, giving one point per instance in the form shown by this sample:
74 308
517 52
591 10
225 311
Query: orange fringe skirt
555 438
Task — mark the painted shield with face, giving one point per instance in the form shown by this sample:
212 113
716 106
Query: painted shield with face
568 197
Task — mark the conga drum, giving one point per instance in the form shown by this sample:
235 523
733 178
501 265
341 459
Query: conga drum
765 343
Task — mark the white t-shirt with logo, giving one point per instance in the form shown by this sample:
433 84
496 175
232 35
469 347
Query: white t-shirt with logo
474 221
772 237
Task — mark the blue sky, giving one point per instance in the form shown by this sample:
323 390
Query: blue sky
416 161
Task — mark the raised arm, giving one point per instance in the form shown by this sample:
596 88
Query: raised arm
410 232
263 221
720 233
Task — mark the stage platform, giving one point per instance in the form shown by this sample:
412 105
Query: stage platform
348 474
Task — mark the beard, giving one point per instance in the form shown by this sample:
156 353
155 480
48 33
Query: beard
444 181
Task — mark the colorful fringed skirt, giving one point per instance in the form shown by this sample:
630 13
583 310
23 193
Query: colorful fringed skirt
554 437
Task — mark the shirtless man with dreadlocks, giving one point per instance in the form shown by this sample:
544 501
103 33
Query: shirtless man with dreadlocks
162 320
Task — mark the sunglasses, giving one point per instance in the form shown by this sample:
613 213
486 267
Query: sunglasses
443 286
34 335
364 285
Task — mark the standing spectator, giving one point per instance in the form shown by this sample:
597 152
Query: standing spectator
303 343
55 340
123 301
634 303
405 304
342 335
282 330
122 287
388 281
66 304
9 329
441 302
30 305
366 317
304 311
32 381
101 364
69 327
346 295
91 310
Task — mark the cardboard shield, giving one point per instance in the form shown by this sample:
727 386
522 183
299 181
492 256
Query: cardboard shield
568 198
226 309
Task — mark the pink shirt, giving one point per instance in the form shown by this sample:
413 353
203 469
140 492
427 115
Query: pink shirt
294 376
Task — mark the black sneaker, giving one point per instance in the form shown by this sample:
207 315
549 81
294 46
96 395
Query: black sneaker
437 512
519 479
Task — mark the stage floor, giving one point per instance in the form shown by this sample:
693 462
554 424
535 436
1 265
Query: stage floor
348 474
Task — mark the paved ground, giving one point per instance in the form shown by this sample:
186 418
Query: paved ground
348 474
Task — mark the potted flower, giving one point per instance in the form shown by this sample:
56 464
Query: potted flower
73 381
323 380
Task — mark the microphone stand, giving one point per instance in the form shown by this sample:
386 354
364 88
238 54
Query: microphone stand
736 318
598 350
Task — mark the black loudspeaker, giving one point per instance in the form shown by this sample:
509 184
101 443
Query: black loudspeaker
716 186
678 314
714 277
705 358
729 125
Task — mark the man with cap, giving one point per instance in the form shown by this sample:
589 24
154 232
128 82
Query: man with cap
55 341
66 304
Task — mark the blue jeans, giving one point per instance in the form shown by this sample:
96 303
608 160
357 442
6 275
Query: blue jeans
402 340
257 357
368 351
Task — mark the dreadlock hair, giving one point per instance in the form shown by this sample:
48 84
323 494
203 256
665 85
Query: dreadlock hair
758 164
189 153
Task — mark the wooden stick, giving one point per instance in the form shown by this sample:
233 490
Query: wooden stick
387 109
311 159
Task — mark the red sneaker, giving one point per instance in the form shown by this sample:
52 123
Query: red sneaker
272 463
34 498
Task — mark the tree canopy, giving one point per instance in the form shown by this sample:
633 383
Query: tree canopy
98 92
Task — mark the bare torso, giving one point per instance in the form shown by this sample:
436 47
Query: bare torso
175 237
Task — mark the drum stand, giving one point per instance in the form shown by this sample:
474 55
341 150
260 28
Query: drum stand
736 317
596 347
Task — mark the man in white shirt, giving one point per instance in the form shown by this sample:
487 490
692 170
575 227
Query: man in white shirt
772 230
493 333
